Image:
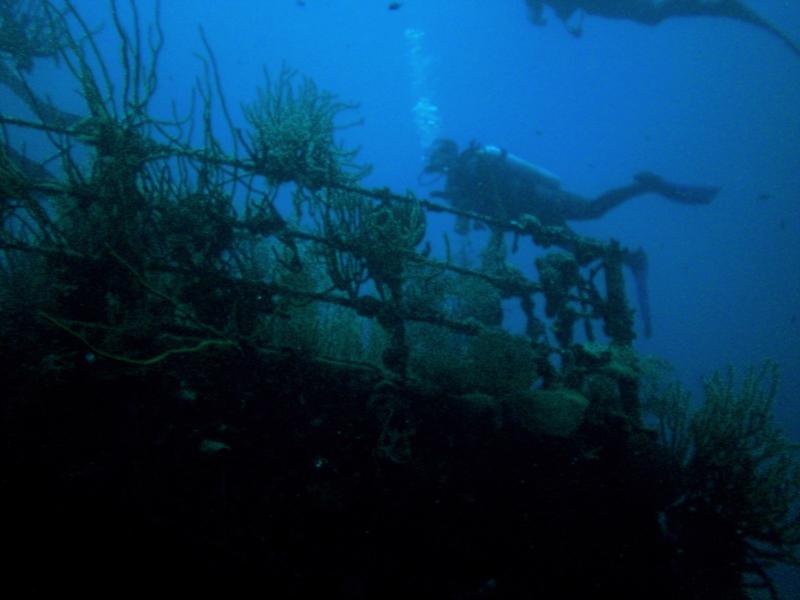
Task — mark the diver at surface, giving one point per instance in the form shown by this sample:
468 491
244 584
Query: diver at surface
652 12
490 181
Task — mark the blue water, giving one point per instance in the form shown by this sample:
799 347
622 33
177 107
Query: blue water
696 100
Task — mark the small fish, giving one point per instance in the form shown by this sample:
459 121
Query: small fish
394 5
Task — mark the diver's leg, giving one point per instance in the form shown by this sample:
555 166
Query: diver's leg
576 208
677 192
730 9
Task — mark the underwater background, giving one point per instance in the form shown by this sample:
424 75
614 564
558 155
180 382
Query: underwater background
696 100
703 101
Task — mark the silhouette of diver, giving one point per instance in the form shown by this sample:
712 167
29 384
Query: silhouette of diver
490 181
653 12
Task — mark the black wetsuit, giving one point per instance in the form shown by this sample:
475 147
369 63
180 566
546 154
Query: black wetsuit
481 183
488 183
653 12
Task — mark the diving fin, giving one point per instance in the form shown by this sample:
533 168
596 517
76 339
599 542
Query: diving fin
677 192
732 9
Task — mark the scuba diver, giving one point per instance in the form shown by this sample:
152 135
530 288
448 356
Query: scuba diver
652 12
490 181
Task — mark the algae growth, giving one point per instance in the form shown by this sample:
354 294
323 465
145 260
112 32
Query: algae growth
203 381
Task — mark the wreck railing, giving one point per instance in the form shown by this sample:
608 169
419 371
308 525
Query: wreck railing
185 247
